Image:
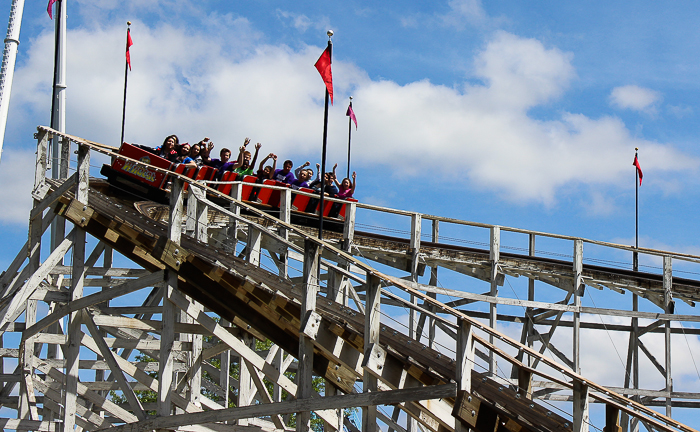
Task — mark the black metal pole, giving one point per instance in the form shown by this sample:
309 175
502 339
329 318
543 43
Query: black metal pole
55 156
126 79
635 256
349 138
323 154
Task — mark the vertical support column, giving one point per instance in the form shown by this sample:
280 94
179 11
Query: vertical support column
416 220
465 364
581 416
348 238
306 348
232 231
167 336
27 401
201 217
225 375
191 211
372 314
494 256
77 284
433 282
579 288
668 302
286 217
612 419
531 297
246 391
254 239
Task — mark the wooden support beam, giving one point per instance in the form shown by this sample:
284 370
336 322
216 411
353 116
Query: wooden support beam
580 407
494 255
579 288
108 355
612 419
306 348
668 308
464 364
371 342
360 399
167 336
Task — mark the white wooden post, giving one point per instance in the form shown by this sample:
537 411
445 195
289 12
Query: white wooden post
579 288
668 285
286 217
372 328
225 375
581 416
494 256
246 391
416 220
254 242
232 231
306 348
77 284
465 363
167 336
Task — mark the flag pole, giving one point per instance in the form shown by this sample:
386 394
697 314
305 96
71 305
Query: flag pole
126 78
635 256
349 138
325 140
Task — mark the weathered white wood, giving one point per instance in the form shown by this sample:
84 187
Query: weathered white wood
167 336
494 256
253 246
579 288
93 299
372 316
414 250
668 285
72 350
234 214
306 348
47 201
580 407
27 400
246 391
464 356
261 410
16 306
128 392
83 172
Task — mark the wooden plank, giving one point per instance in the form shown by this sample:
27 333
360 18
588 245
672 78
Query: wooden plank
360 399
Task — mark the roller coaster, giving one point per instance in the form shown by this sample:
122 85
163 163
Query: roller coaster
205 312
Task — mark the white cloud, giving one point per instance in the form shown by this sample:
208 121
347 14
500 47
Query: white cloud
464 11
17 178
635 98
226 84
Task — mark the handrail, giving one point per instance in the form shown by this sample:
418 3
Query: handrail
624 404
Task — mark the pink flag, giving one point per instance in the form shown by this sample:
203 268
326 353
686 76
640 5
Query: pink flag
351 114
48 9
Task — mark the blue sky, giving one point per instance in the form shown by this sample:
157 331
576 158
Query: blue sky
523 114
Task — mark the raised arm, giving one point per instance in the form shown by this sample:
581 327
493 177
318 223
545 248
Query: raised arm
298 170
274 166
262 163
335 177
255 156
354 182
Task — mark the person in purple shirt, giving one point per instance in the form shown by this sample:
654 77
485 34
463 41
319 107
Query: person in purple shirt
285 174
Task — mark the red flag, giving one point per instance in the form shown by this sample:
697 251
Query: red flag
351 114
639 169
48 9
323 64
129 42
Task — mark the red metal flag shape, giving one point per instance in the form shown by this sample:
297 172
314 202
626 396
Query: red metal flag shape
48 9
639 169
351 114
129 42
323 64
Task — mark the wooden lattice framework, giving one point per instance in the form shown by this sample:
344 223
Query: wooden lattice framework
209 280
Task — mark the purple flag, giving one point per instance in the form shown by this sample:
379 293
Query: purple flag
48 9
351 114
